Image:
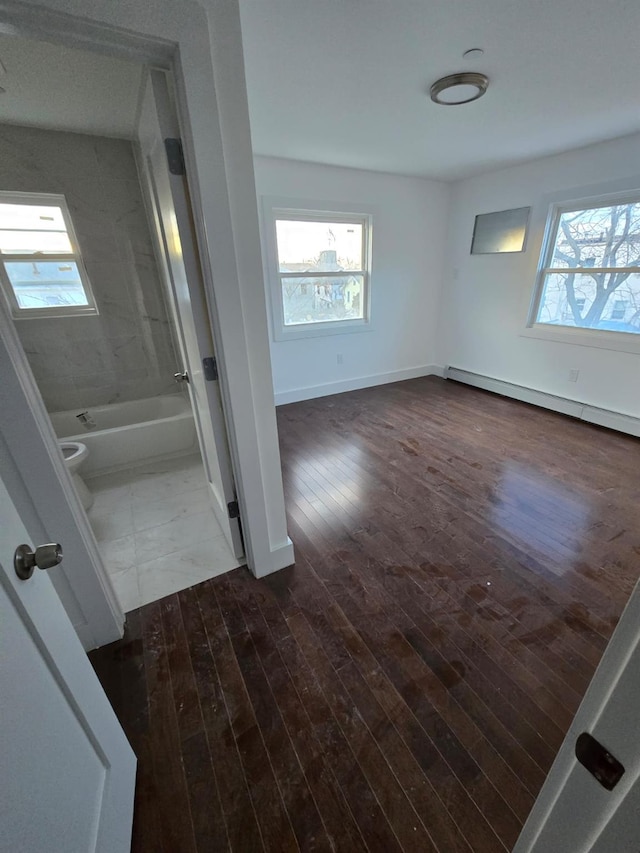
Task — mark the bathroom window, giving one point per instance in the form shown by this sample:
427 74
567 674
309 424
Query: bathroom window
319 268
41 268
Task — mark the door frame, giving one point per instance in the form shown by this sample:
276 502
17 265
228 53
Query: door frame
203 51
156 91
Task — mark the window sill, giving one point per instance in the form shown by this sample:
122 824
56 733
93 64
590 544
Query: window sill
321 330
617 341
54 313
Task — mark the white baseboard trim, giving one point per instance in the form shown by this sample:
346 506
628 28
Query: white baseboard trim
278 558
566 406
324 390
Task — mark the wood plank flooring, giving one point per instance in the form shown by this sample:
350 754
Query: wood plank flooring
462 560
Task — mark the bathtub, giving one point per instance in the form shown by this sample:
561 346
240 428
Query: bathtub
130 433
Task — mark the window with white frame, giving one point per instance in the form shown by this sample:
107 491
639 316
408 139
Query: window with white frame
589 276
41 269
322 272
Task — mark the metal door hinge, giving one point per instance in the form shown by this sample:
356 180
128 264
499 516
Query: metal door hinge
233 509
598 761
175 156
210 367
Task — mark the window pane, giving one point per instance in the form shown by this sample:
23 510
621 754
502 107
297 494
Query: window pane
322 300
47 284
605 301
319 246
31 217
599 237
30 242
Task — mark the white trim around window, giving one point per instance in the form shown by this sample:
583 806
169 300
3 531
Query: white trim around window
546 224
23 245
279 210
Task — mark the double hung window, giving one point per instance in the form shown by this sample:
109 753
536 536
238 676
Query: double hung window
41 269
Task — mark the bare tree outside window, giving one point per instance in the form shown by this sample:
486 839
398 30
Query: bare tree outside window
591 273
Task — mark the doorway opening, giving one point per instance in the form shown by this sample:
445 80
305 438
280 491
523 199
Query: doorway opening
107 303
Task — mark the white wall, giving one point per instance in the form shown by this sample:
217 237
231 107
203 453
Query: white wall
485 297
409 226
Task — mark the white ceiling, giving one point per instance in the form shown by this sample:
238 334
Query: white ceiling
61 88
346 82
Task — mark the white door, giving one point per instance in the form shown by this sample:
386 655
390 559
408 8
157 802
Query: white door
48 502
67 772
574 812
172 213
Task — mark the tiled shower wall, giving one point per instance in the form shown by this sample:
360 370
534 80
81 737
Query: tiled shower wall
127 351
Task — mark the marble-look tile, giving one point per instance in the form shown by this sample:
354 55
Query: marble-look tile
127 589
115 157
95 389
174 535
111 523
106 499
99 180
118 317
109 279
50 158
118 554
40 365
113 480
184 568
89 356
148 514
172 476
97 238
122 200
160 342
128 351
58 396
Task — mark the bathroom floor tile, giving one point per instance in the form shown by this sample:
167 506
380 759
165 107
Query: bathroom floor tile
147 513
163 478
118 554
107 499
175 535
156 530
111 523
126 588
189 566
111 482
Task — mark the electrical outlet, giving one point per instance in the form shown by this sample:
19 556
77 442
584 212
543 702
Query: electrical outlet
339 358
573 375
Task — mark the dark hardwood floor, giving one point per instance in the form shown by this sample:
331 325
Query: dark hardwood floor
462 560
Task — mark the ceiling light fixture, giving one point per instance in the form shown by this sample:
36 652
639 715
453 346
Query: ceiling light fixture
459 88
473 53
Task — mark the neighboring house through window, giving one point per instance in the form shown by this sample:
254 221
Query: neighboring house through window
319 270
41 270
589 275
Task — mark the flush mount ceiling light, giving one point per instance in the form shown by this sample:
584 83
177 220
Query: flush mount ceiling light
459 88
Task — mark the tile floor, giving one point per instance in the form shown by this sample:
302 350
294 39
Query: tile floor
156 530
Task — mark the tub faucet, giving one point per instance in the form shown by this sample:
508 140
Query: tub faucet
86 420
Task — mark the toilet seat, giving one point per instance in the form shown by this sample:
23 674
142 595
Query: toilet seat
74 453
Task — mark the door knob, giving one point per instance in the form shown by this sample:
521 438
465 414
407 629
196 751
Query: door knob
181 377
44 557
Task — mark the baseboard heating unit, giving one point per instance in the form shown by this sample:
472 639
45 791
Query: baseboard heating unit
566 406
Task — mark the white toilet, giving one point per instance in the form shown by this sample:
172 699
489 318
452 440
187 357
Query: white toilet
75 453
